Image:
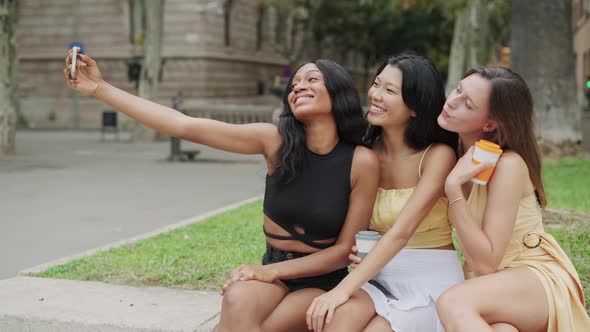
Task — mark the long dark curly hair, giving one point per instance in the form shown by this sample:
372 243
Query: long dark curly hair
346 108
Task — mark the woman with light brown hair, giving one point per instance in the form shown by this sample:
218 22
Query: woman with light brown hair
520 278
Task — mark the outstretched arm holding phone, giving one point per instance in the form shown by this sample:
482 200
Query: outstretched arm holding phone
258 138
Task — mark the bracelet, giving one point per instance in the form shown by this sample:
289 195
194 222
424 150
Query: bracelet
97 86
455 200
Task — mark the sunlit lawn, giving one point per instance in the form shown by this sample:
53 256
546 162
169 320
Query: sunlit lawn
200 256
567 183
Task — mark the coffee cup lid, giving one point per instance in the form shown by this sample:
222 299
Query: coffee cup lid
488 146
368 235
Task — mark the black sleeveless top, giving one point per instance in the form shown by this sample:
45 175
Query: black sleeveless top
315 200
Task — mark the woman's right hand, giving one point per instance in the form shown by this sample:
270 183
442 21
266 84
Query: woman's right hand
354 259
87 77
463 171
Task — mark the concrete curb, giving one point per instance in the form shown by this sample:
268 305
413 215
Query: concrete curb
57 305
42 267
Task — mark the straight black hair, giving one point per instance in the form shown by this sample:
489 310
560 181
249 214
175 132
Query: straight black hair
346 108
423 92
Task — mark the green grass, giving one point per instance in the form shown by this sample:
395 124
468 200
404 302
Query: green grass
200 256
194 257
574 238
567 183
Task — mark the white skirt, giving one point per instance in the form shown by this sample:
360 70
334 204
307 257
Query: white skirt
406 290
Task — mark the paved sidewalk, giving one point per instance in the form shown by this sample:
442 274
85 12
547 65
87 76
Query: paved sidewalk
65 193
53 305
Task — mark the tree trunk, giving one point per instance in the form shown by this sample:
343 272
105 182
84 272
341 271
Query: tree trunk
137 12
14 66
478 27
293 32
458 46
542 52
151 69
8 91
469 47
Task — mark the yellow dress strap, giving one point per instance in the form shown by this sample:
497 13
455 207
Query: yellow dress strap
421 159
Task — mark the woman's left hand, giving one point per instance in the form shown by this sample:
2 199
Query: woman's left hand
249 272
354 259
463 171
322 309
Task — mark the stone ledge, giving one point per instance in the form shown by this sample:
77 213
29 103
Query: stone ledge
51 305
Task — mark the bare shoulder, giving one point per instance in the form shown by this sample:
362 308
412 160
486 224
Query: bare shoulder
365 168
510 170
440 150
512 163
365 158
438 155
269 130
269 135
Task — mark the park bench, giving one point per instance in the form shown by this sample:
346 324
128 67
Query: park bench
239 114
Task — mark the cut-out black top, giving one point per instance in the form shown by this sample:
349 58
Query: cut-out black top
316 200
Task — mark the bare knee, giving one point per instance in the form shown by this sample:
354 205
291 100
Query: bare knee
236 310
341 317
345 311
378 324
503 327
236 296
444 304
352 315
452 307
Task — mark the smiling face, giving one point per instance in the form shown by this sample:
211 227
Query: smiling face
466 110
309 95
386 104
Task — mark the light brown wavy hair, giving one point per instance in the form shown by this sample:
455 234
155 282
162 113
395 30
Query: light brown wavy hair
511 106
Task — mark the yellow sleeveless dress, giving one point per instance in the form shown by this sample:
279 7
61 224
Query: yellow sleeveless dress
405 291
531 247
434 231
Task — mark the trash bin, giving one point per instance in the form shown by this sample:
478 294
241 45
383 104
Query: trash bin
109 123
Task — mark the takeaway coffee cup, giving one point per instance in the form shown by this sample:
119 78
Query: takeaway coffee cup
485 151
365 241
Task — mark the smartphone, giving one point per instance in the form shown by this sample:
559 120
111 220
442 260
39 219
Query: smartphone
74 58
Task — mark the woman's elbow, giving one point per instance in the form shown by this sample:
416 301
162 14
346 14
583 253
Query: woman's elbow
343 253
483 269
182 129
399 238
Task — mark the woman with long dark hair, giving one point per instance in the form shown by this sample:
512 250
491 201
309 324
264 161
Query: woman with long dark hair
520 278
395 287
320 187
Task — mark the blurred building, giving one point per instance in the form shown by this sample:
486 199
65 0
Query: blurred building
204 56
581 30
